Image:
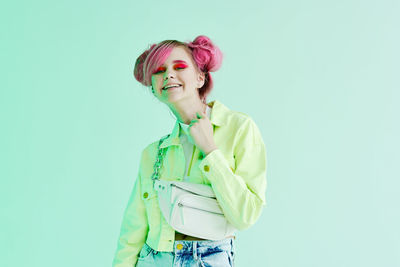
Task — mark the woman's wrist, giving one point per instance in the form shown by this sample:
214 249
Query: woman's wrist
210 150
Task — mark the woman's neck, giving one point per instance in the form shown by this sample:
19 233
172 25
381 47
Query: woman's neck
185 112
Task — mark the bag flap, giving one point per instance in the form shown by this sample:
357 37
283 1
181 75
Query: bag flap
200 189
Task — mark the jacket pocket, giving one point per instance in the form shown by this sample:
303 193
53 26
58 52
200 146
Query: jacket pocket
150 200
148 193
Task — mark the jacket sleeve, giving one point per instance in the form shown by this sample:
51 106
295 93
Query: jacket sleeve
134 229
240 192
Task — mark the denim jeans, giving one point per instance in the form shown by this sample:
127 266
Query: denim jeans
202 253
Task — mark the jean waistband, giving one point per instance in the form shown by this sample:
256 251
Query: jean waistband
188 246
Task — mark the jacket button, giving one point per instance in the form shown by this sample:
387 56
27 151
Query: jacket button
179 246
206 168
145 195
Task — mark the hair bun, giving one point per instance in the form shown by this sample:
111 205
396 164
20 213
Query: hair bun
139 66
207 56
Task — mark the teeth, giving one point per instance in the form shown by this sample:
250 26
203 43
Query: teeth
169 86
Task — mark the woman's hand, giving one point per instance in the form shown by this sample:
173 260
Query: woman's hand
201 131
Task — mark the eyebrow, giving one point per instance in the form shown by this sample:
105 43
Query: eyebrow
178 61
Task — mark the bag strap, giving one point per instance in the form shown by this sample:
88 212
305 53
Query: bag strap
160 156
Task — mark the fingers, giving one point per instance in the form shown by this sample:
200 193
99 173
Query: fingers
198 116
201 114
193 122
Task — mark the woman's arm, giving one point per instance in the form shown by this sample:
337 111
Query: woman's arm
134 229
240 193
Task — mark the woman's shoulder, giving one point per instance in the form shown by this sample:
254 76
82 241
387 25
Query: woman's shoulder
241 116
243 124
151 148
226 114
238 119
148 158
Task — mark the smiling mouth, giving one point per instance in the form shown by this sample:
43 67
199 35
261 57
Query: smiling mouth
172 87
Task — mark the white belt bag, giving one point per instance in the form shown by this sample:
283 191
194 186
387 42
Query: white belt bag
191 209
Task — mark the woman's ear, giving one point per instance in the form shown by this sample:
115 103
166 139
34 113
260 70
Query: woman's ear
201 79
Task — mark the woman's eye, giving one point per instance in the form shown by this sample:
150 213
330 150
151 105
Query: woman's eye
158 71
177 67
181 66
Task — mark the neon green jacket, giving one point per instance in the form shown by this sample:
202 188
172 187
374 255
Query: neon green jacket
236 171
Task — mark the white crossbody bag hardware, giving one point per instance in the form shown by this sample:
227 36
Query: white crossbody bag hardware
191 209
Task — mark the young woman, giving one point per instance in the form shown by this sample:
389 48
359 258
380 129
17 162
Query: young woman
209 144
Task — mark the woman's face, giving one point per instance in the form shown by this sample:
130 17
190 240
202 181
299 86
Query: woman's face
179 68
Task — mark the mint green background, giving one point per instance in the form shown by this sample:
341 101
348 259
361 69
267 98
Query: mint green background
320 79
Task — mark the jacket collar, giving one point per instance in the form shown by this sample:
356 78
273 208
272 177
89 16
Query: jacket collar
218 114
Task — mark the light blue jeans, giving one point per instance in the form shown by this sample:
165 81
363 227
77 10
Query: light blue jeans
187 253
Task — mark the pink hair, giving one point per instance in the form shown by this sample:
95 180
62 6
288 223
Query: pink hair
206 55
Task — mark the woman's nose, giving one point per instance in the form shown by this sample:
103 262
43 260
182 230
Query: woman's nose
168 74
